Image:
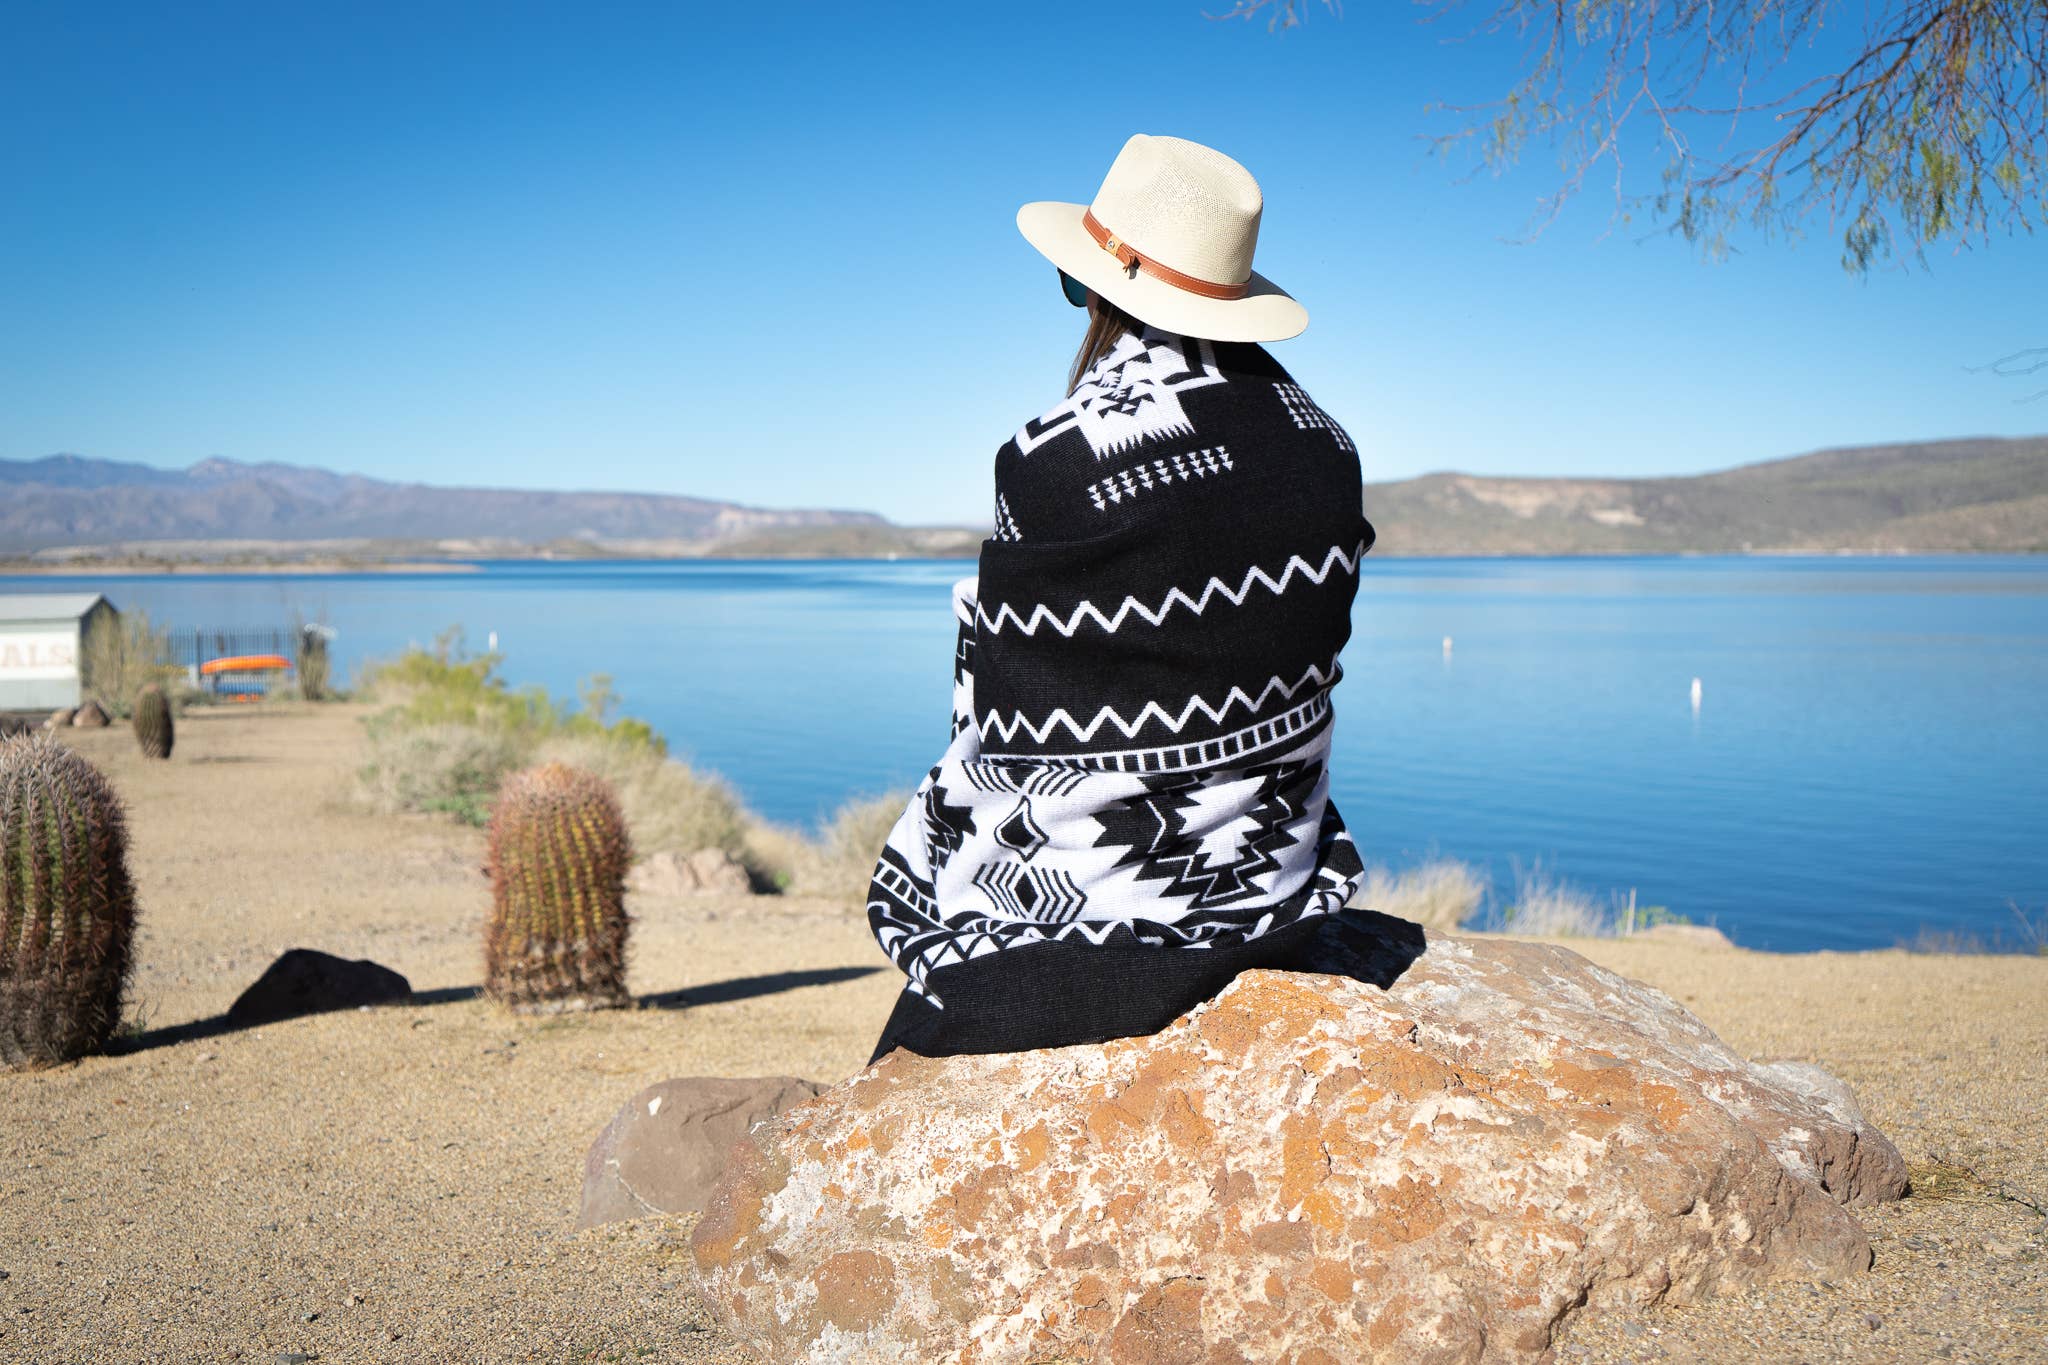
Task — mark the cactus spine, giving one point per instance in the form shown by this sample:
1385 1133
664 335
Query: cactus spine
153 728
67 908
558 857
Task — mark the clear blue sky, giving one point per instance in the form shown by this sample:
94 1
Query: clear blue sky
766 253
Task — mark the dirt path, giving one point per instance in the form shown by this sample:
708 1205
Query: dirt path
399 1184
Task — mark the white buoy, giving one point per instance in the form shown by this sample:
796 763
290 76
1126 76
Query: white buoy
1695 694
1447 646
492 647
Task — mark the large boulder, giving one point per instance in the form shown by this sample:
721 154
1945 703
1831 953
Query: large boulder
1307 1169
665 1150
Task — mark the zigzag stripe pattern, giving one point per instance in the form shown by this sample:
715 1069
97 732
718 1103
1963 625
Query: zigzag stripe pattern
1152 711
1042 615
1291 725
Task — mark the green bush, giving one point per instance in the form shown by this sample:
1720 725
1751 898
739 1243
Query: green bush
444 686
451 730
452 769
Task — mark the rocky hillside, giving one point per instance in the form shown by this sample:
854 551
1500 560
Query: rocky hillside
1976 494
1982 494
69 500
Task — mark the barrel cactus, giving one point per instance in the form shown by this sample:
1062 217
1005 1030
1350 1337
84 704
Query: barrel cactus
153 728
558 856
67 908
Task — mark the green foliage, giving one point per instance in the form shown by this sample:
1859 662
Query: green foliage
558 857
154 729
1925 125
67 907
454 769
451 730
445 686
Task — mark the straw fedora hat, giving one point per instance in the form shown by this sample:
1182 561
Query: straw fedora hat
1169 240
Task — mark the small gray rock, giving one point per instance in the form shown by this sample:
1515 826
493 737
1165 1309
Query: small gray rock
666 1149
294 1358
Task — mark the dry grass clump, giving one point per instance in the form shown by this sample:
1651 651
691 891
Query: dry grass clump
1440 894
2028 937
450 769
669 806
837 861
1546 906
124 654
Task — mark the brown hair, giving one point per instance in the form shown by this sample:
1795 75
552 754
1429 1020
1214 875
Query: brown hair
1106 323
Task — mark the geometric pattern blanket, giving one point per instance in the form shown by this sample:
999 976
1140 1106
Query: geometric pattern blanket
1141 699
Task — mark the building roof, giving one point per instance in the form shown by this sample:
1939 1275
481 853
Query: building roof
47 606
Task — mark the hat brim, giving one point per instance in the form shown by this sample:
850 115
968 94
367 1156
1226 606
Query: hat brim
1265 313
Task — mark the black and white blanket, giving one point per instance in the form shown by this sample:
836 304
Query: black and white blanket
1141 715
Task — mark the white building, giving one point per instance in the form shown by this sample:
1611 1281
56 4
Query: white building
42 646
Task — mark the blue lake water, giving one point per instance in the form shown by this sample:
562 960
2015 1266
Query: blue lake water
1869 757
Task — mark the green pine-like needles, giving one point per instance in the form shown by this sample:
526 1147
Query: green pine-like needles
67 907
153 728
558 857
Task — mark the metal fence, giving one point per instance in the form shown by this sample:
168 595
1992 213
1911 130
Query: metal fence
196 646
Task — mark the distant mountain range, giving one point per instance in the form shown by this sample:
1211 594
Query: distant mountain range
1977 494
69 500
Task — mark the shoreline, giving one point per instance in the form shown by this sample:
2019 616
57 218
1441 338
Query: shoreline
281 568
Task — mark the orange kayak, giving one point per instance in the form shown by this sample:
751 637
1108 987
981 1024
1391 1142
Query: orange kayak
246 663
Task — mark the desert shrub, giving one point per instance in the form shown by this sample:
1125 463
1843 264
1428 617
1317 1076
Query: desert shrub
310 663
2028 936
445 686
840 858
452 769
452 729
123 655
1440 894
1546 906
669 807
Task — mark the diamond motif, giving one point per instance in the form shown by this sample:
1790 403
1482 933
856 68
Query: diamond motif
1020 833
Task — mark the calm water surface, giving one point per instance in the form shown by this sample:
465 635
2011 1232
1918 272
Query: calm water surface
1869 757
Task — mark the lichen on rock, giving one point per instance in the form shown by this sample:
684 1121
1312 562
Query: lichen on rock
1307 1167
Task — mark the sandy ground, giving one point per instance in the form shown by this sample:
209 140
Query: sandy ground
400 1184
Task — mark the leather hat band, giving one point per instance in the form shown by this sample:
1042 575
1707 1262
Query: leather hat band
1128 258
